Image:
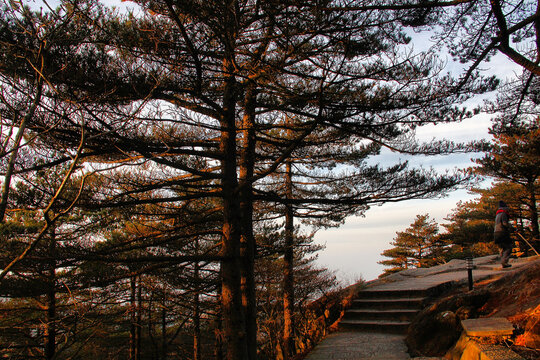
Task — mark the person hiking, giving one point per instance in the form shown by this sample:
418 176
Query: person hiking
501 234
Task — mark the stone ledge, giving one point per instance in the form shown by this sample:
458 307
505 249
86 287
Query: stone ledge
468 348
476 351
488 327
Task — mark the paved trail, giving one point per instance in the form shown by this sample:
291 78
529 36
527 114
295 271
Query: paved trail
359 345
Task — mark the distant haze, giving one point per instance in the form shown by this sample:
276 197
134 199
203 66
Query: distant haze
354 249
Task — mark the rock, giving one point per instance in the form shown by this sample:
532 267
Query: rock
435 334
476 351
466 312
436 329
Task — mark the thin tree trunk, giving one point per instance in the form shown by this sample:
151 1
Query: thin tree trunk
50 347
13 157
197 310
133 319
151 326
138 327
164 349
288 272
218 333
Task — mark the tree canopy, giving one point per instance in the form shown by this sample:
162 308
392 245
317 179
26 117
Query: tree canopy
515 157
177 123
417 246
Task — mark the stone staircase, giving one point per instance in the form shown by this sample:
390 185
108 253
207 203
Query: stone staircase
386 311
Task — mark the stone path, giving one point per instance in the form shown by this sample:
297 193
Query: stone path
360 345
350 345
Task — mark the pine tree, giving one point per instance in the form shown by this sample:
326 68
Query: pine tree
476 30
515 157
418 246
469 228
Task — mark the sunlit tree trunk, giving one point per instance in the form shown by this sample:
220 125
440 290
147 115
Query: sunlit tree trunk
15 151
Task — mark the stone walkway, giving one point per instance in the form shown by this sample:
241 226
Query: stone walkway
350 345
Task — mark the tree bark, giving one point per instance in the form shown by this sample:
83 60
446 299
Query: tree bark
288 272
533 211
138 327
50 347
218 342
196 310
234 325
164 346
133 332
248 245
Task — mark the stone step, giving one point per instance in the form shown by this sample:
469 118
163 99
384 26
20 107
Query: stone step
389 304
394 294
370 314
387 310
390 327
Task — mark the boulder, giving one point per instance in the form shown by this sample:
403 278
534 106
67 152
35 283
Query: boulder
437 328
434 334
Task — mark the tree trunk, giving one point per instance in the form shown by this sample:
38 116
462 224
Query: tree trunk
248 246
164 330
218 343
234 326
138 327
134 318
151 327
15 151
288 274
50 347
196 310
533 211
